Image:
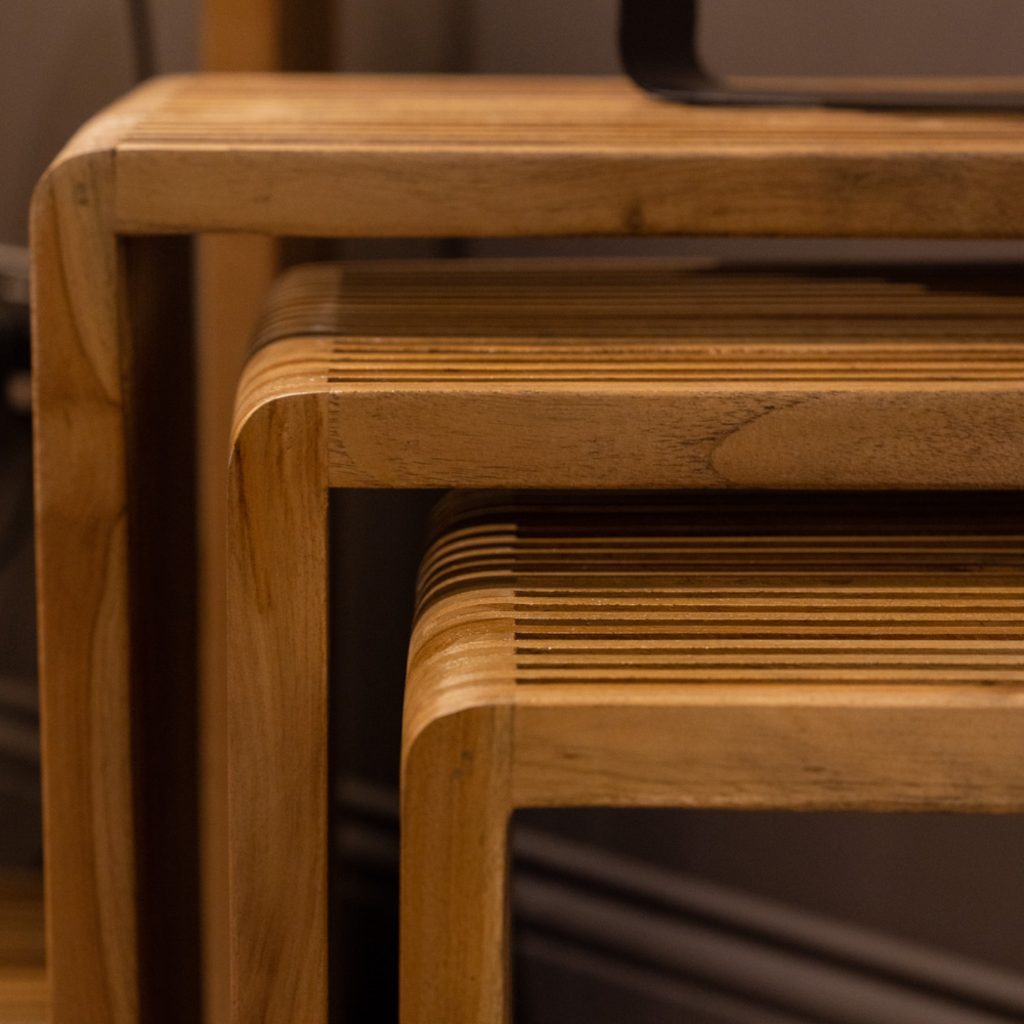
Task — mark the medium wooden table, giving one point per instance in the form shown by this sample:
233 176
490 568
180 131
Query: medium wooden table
332 156
625 374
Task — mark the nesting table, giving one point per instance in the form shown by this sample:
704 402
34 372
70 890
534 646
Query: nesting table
332 156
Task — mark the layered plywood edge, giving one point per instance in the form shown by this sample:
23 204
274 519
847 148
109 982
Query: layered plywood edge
23 989
879 636
747 652
371 156
652 374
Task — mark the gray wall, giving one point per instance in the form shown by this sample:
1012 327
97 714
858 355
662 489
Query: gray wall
865 37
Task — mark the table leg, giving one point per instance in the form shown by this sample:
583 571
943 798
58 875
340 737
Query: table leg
277 722
115 515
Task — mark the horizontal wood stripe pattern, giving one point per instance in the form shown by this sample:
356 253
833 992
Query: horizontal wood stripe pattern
750 652
644 299
754 651
681 322
709 591
477 111
372 156
653 374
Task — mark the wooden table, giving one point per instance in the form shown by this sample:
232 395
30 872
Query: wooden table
332 156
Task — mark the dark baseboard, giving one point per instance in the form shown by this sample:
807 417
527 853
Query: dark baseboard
618 932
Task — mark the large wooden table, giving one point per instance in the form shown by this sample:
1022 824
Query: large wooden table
114 378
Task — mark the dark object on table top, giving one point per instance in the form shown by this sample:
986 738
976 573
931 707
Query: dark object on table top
658 40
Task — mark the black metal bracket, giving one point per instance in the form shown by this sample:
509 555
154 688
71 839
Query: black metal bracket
658 41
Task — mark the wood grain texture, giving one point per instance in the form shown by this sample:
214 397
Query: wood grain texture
751 652
108 365
368 156
505 361
454 883
456 802
744 652
23 990
277 722
648 374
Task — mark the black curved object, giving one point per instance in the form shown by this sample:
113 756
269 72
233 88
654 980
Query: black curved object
659 48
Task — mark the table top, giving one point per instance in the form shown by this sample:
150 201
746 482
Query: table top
650 374
353 155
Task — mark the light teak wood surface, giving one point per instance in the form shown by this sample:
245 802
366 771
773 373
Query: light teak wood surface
116 591
277 636
655 374
333 156
365 156
435 374
756 652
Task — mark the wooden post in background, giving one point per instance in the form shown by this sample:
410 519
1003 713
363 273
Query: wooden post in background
234 273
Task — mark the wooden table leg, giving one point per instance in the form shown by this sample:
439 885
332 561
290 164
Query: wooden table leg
455 943
234 275
277 726
115 508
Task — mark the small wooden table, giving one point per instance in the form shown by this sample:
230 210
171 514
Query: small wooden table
332 156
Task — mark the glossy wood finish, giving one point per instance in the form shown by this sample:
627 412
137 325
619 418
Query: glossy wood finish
656 374
756 652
